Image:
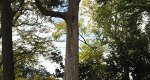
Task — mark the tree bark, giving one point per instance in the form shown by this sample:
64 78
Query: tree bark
72 43
7 50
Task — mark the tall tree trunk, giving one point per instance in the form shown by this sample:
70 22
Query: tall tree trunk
72 47
7 52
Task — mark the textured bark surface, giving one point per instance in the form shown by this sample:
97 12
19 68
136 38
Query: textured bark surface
7 52
72 44
71 60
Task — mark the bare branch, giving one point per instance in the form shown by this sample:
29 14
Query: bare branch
85 42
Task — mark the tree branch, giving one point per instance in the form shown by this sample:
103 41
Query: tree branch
84 41
19 6
51 13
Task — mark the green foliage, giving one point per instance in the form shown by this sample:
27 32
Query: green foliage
91 59
91 51
29 46
31 40
119 28
123 33
27 49
60 30
91 65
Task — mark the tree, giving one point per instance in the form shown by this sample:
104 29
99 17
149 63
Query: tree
122 32
16 11
71 19
28 46
7 17
7 51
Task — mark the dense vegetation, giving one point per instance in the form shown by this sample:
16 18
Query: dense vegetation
114 38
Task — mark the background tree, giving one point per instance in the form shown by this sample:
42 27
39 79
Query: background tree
126 36
29 45
25 67
7 52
